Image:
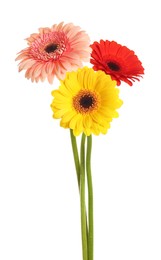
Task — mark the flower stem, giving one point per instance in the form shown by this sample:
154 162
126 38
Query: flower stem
75 155
82 200
90 198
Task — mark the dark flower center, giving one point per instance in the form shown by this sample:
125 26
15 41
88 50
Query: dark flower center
51 47
113 66
86 101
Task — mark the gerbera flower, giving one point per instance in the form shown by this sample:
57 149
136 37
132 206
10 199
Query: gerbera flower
86 101
53 51
116 60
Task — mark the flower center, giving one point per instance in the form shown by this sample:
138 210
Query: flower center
113 66
51 47
85 101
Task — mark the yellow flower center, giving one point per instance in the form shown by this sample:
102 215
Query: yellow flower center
86 101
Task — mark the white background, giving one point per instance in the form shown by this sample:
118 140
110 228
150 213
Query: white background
39 202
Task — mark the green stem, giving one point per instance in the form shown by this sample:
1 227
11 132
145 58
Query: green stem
82 200
90 198
75 155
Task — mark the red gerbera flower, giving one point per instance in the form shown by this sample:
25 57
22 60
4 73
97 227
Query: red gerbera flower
54 51
116 60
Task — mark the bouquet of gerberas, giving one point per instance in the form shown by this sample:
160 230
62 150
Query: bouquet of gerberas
87 99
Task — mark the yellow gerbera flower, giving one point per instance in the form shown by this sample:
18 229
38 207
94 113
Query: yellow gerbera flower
86 101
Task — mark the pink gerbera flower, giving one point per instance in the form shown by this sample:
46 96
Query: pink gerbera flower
53 51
